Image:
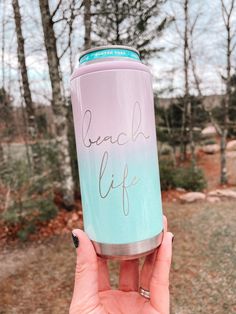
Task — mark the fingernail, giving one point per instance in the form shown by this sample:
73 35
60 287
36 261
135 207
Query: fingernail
75 240
173 238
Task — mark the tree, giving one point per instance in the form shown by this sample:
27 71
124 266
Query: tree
21 58
187 110
58 104
87 24
232 107
133 23
185 25
2 90
227 12
30 111
221 121
63 18
5 122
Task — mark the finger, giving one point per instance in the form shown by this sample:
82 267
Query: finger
103 275
129 275
85 295
147 269
165 223
159 285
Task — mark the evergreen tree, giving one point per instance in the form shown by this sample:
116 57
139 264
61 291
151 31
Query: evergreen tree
232 106
132 23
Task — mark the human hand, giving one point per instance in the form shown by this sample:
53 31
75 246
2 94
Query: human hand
92 291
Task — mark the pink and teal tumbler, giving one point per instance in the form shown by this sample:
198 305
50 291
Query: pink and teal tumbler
114 123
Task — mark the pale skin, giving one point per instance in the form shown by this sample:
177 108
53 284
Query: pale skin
92 291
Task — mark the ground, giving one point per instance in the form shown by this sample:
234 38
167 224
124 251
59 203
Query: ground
203 276
37 277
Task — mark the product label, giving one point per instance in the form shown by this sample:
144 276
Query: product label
109 53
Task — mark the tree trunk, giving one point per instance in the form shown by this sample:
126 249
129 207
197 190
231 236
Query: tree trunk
171 136
1 155
186 85
183 135
227 11
223 175
58 105
188 112
191 137
87 24
223 142
21 59
30 112
3 44
117 22
3 71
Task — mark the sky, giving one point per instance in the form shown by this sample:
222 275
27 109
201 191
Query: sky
209 40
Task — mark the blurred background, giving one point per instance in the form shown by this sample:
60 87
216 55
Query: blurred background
190 47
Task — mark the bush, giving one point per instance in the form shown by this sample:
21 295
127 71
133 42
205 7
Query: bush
167 174
190 179
30 199
167 150
72 148
209 142
186 178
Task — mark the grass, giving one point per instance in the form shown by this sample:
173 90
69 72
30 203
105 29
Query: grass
38 277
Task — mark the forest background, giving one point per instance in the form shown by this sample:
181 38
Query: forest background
190 47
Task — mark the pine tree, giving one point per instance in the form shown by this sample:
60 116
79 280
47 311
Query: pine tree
132 23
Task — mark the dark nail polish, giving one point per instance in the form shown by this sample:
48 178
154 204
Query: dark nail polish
75 240
173 238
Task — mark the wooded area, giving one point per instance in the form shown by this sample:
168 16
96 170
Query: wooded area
40 121
45 138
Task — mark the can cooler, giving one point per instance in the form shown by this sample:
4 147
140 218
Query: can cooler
114 122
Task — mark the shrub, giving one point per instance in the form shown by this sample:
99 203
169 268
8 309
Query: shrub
186 178
209 142
166 150
30 198
190 179
167 174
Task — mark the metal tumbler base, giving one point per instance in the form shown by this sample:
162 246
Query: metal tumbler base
130 250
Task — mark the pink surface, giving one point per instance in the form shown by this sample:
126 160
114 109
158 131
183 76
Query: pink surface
107 65
120 114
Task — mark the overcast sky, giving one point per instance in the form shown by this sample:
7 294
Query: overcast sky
208 49
208 46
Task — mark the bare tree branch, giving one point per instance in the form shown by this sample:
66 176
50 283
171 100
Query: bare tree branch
56 9
224 11
64 51
192 27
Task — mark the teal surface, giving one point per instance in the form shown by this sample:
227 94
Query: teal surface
109 53
109 220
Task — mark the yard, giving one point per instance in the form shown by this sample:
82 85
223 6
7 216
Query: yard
38 277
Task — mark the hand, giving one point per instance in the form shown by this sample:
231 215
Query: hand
92 291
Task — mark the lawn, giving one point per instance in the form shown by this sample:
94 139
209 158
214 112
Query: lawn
38 277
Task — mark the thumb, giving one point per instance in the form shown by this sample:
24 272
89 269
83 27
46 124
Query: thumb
85 296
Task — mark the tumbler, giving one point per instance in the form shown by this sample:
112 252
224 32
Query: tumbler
114 120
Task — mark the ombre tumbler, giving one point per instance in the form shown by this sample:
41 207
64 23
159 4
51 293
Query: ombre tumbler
114 121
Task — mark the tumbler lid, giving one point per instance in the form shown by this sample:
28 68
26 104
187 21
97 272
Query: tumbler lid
111 51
